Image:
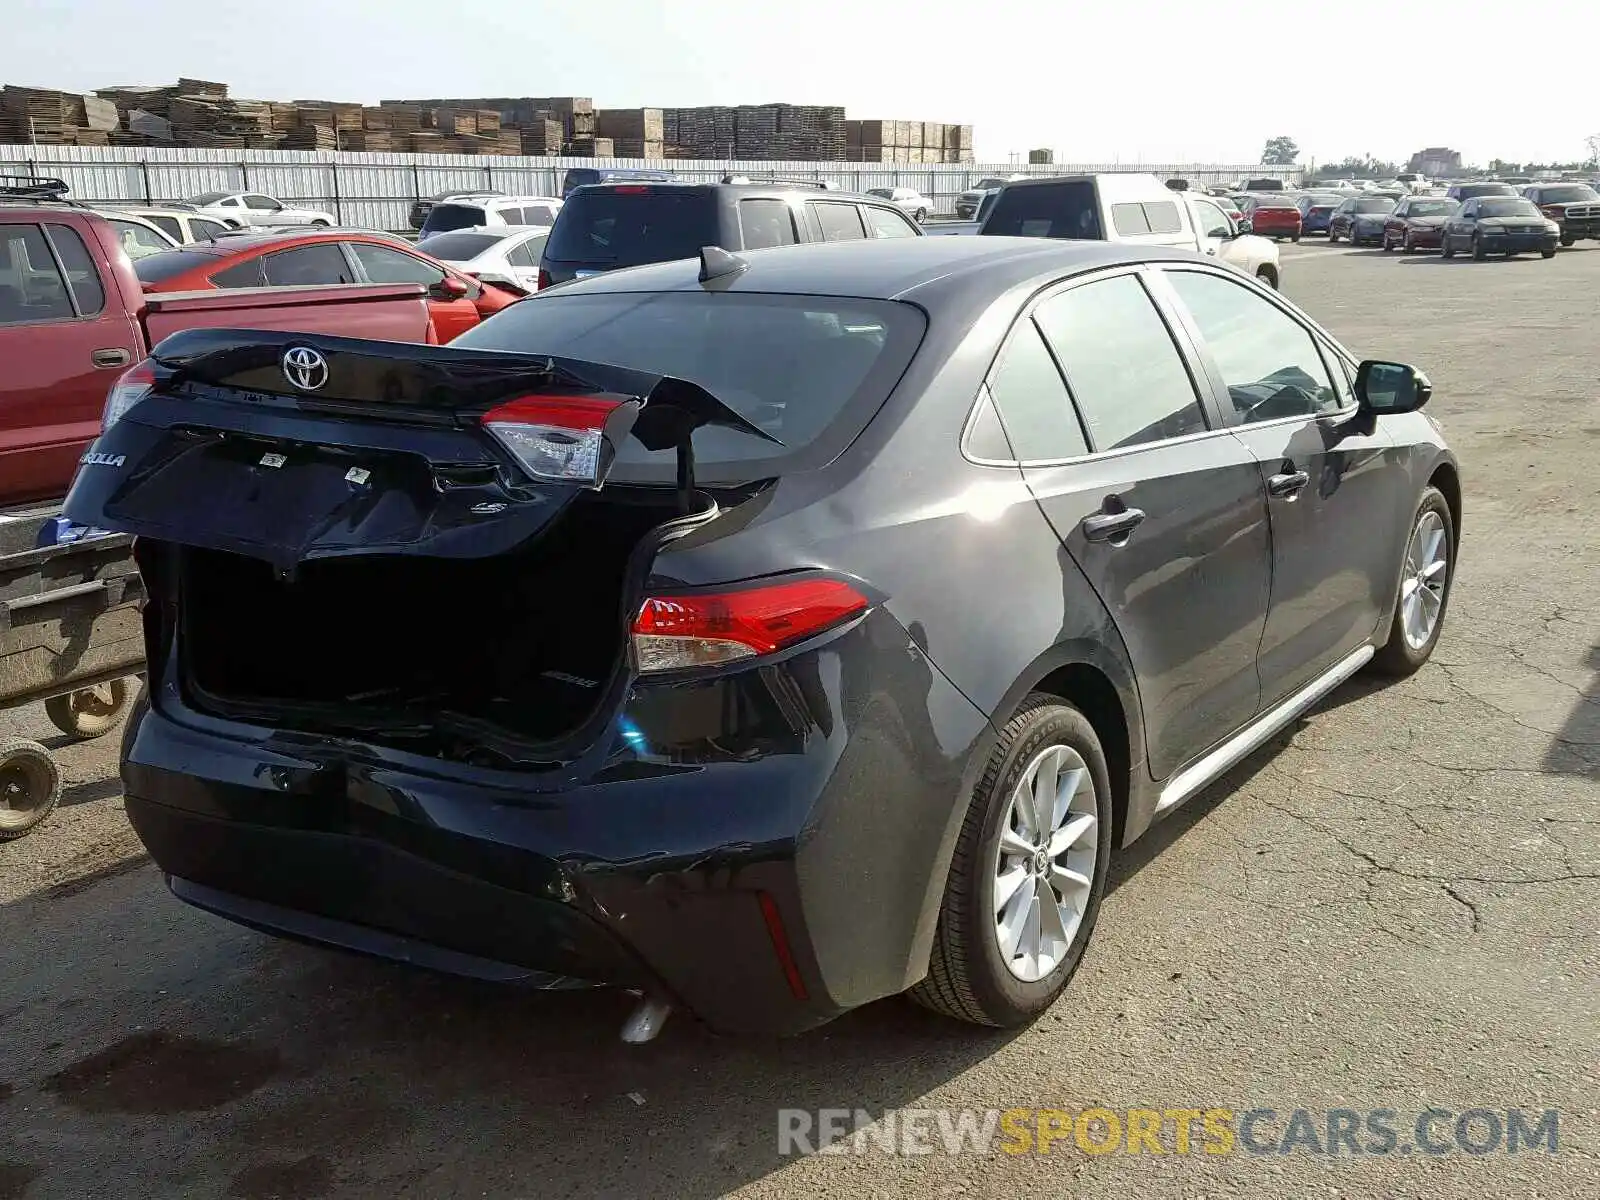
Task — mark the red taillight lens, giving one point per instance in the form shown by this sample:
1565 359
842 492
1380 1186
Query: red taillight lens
631 189
132 386
544 279
559 438
704 629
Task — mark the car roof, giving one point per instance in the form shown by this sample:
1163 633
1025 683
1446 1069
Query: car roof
754 189
239 243
925 270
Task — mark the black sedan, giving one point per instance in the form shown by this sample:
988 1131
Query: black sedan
765 634
1360 219
1488 225
1417 222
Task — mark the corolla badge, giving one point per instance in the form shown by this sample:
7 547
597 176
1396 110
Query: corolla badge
102 460
305 368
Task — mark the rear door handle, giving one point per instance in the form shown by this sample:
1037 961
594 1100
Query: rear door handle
1287 484
1108 526
113 357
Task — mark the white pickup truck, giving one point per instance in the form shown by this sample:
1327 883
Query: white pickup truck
1121 207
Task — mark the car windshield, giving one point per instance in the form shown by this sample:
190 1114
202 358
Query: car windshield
985 184
1567 195
209 197
1508 208
882 193
1431 208
157 268
804 369
1487 189
1374 206
459 247
1321 200
636 224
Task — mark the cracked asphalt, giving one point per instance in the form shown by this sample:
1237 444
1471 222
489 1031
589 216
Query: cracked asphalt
1392 906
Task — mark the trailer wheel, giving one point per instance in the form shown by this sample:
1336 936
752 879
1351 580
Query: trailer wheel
89 712
30 786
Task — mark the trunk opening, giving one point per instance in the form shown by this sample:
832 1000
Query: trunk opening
430 654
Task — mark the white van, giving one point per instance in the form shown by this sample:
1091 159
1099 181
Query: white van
472 211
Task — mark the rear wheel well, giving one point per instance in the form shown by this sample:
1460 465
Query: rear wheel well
1449 483
1088 690
1269 273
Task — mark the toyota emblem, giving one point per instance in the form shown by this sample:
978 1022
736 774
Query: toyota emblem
305 368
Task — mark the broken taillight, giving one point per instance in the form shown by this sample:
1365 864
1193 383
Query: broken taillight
562 438
672 632
132 386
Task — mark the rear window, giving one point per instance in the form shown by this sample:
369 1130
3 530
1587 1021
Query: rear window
158 268
1263 185
1276 202
809 370
445 217
1374 206
1055 210
627 228
1577 192
458 247
1468 191
1431 208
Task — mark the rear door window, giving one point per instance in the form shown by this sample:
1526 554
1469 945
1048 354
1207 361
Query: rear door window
446 217
31 286
633 225
1054 210
527 254
766 223
1123 369
139 241
839 222
1162 217
83 277
206 229
1129 220
308 265
1032 400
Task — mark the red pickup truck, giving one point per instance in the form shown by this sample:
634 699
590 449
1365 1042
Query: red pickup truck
73 317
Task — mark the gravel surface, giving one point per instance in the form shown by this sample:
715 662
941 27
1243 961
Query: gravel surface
1395 905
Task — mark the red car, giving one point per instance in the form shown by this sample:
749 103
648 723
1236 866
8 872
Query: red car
1275 217
456 301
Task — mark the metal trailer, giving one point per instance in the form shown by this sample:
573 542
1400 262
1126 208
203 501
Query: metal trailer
71 636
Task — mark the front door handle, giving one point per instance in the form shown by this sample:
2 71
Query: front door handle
1287 484
1110 526
113 356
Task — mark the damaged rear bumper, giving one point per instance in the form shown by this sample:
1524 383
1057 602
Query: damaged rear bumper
767 891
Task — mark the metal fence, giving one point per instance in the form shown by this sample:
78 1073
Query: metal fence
376 190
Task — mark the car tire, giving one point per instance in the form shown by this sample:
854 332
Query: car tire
1547 253
1446 250
30 786
320 224
1388 245
1332 236
969 973
1294 237
921 216
1403 655
1408 244
1567 241
1267 276
89 712
1479 253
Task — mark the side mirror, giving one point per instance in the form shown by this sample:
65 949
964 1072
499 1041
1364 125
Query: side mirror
451 287
1387 388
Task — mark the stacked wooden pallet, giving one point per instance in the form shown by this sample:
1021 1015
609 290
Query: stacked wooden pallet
634 132
589 146
541 136
41 116
756 131
908 142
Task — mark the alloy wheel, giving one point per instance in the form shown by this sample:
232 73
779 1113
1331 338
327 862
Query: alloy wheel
1427 574
1045 862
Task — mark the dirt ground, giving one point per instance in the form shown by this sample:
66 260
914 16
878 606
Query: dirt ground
1394 905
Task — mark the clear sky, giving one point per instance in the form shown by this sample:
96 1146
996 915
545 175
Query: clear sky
1133 80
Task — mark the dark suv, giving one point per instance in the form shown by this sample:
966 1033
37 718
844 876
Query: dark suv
607 226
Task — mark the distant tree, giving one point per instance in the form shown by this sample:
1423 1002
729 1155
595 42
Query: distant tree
1280 152
1498 166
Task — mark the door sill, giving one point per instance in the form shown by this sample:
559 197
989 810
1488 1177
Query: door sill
1192 778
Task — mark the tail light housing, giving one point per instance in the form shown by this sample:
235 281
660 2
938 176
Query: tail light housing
544 279
563 439
1554 211
132 386
703 629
